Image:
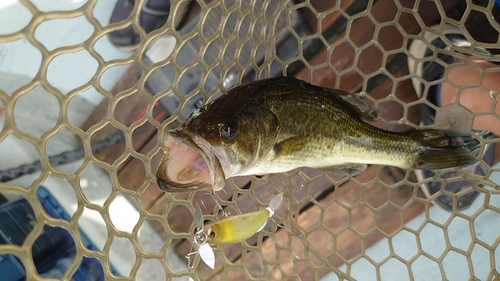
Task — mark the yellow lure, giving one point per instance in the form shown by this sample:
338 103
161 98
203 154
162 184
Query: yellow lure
241 227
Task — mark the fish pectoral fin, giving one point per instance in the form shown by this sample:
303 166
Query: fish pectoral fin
359 106
289 146
348 168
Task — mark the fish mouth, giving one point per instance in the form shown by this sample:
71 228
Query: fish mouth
189 164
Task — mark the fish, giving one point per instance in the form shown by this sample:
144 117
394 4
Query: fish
237 228
279 124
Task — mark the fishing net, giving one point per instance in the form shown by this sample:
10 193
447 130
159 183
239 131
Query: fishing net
377 225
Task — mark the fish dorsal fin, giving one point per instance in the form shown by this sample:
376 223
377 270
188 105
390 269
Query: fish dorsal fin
358 105
435 138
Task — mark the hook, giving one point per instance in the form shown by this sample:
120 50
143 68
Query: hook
217 202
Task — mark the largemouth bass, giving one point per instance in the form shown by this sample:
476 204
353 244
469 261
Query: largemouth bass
279 124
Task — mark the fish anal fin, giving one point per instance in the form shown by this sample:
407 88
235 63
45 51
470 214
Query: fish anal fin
347 168
290 146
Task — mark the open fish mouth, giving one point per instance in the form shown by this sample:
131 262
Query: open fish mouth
188 164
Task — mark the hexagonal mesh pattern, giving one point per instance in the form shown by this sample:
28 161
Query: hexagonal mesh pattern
376 224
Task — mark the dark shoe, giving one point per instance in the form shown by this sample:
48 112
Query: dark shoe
447 190
154 14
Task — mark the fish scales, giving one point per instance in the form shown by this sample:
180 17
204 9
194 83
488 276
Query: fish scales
332 132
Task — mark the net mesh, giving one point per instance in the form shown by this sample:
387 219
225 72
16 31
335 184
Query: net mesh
331 223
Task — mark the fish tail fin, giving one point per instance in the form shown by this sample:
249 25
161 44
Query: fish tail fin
440 158
439 150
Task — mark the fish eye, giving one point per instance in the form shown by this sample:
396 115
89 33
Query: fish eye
228 132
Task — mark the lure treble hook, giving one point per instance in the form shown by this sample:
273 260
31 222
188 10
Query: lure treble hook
217 202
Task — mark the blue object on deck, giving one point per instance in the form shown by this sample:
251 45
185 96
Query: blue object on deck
53 251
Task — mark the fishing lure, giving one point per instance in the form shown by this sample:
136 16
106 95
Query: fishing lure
229 230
